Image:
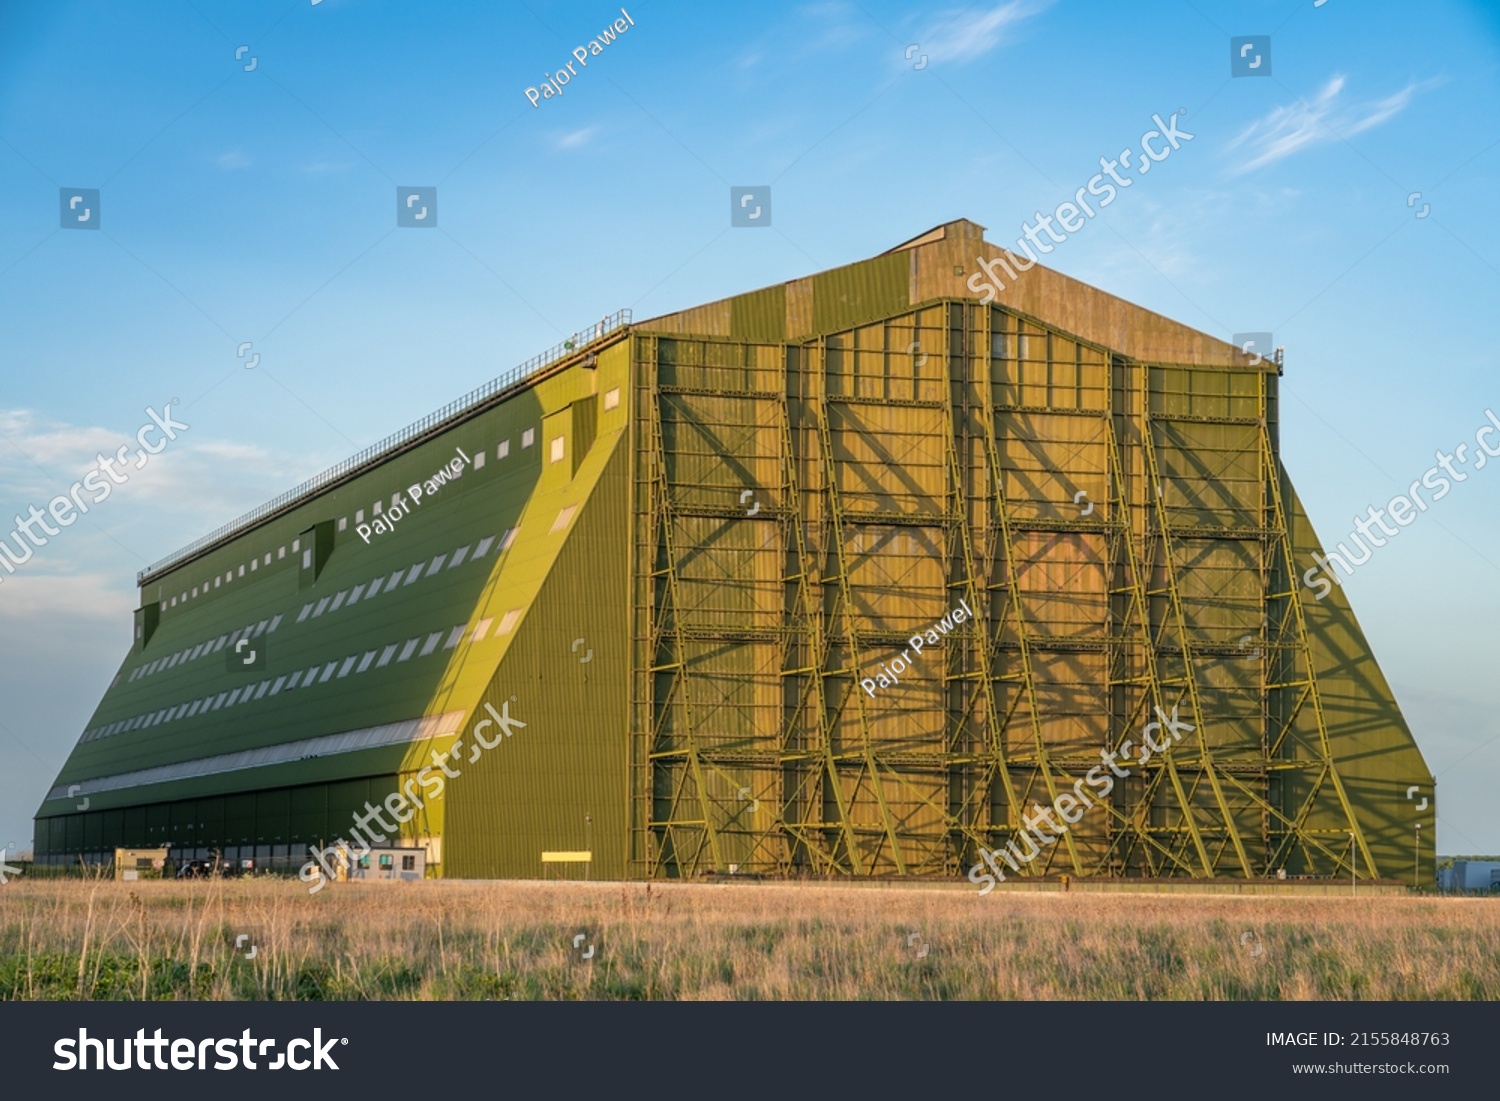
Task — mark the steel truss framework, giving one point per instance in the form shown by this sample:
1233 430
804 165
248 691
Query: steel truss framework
774 486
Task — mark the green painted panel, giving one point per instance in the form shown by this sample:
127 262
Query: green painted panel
759 315
861 292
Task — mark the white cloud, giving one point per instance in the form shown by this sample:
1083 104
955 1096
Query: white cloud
960 38
577 138
232 160
1290 129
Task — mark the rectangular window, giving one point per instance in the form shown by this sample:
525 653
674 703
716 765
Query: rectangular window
484 545
454 636
328 672
254 564
437 564
416 572
303 613
343 523
359 516
348 665
378 508
510 537
559 448
242 569
528 437
479 457
458 556
339 600
385 656
275 622
408 649
307 559
354 593
431 644
509 621
481 629
319 609
364 662
408 863
260 628
611 399
261 691
563 517
280 553
503 450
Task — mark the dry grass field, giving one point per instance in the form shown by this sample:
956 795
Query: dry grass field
454 940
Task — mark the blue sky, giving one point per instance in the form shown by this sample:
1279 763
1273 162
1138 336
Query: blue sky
259 206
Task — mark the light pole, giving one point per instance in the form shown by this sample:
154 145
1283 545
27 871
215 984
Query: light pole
1416 860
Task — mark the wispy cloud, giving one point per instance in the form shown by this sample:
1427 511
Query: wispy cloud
228 162
1290 129
959 37
576 139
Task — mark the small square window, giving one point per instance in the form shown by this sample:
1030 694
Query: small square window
254 564
296 545
195 590
503 450
359 517
479 457
280 552
229 575
268 558
378 508
611 398
242 569
307 559
218 581
408 863
343 523
385 860
559 447
528 437
395 500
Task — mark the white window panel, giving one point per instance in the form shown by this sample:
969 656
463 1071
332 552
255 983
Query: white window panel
509 621
303 613
364 662
275 688
503 450
611 399
481 629
275 622
416 572
407 650
431 644
484 546
385 656
348 665
319 609
339 600
437 564
459 556
528 437
328 672
455 636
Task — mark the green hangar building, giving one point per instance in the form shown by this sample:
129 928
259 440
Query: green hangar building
639 609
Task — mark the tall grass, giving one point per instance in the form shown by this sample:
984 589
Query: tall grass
66 940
